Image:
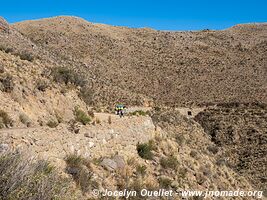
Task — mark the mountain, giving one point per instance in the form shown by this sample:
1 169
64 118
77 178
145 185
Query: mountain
145 66
196 109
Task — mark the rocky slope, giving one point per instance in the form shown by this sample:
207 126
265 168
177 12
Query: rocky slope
170 68
179 161
241 129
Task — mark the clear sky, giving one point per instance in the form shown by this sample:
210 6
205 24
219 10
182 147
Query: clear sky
161 14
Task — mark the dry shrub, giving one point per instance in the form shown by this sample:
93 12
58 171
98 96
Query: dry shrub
24 179
145 151
97 120
109 120
165 182
42 85
25 56
66 75
7 83
170 162
5 120
25 119
52 124
141 170
81 116
80 170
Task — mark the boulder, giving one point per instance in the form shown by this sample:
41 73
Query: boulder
111 164
119 161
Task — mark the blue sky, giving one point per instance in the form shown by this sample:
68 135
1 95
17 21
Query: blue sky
161 15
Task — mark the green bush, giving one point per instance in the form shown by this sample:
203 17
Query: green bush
52 124
22 178
139 113
66 75
145 151
169 163
5 120
81 116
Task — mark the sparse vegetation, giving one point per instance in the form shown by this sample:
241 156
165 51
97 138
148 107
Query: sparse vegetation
91 113
23 55
179 138
59 117
5 120
81 116
87 94
157 108
22 178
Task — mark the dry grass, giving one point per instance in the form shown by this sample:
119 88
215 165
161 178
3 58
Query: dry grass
81 116
24 179
79 168
25 119
5 120
7 83
169 162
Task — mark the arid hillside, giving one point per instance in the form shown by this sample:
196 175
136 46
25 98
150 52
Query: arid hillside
145 66
60 79
241 130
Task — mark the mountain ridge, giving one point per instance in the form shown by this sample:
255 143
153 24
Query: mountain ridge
168 68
